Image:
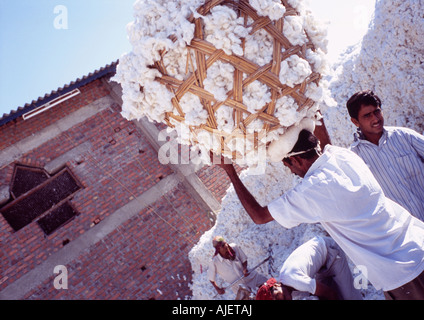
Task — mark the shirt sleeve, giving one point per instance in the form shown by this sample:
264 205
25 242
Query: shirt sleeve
212 271
239 252
417 142
300 268
299 281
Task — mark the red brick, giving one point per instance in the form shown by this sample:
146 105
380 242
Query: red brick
112 175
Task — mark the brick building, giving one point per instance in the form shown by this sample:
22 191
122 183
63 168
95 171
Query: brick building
82 187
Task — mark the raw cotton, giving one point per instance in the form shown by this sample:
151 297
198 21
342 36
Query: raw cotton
257 241
161 36
389 61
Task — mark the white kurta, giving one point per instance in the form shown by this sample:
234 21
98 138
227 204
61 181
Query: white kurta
340 192
319 259
231 270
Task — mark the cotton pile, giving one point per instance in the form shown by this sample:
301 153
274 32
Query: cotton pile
162 32
257 241
389 60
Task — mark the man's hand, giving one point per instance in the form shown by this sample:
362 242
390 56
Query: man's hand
217 288
257 213
220 290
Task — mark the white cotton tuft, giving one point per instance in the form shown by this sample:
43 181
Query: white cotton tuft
280 148
286 111
293 29
219 80
274 9
195 115
255 96
224 116
294 70
224 29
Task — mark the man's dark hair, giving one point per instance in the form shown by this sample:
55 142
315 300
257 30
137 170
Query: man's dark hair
307 141
366 98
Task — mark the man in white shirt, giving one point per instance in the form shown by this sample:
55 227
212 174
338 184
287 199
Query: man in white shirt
339 191
394 155
319 267
230 262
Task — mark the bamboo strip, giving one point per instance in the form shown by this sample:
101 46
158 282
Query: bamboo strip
205 55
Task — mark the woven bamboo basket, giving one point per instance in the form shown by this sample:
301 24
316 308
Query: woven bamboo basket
245 73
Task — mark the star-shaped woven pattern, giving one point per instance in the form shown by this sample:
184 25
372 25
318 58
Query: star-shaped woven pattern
245 72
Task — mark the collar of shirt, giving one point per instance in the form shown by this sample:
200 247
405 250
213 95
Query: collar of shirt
358 137
221 259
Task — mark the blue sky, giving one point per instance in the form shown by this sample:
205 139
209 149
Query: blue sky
38 54
37 57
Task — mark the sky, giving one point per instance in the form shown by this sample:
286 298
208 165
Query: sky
348 22
46 44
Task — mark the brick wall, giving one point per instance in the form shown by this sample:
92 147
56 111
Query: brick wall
18 129
216 180
145 257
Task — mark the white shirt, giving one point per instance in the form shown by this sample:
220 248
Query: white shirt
319 258
229 270
397 163
300 268
232 270
340 192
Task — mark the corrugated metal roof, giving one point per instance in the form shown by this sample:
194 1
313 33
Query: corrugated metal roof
110 68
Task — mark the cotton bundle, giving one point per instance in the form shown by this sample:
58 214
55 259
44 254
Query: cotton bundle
227 76
389 61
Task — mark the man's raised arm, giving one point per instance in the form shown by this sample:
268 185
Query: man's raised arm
259 214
